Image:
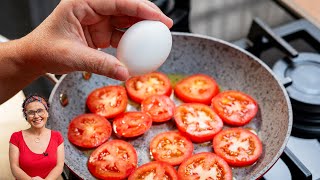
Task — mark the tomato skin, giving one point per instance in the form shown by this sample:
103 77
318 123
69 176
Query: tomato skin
159 107
197 121
89 130
113 160
231 101
160 171
198 166
140 87
197 88
108 101
221 142
171 143
132 124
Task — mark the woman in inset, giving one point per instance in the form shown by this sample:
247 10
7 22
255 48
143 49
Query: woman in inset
37 152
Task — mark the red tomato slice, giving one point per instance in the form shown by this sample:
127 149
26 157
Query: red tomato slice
159 107
204 165
108 101
234 107
198 121
113 160
140 87
89 130
132 124
237 146
155 171
198 88
171 147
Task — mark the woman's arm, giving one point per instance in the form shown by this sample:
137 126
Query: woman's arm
15 72
57 171
17 172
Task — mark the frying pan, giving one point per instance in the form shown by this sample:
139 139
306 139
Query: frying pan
232 67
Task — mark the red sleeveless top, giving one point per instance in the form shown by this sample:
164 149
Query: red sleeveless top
37 164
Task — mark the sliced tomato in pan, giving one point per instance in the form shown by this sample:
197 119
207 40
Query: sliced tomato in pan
159 107
198 121
108 101
154 171
204 165
131 124
171 147
140 87
197 88
113 160
89 130
234 107
237 146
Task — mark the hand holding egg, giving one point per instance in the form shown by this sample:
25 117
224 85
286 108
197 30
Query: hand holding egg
144 47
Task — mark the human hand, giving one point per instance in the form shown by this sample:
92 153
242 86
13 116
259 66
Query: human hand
36 178
67 40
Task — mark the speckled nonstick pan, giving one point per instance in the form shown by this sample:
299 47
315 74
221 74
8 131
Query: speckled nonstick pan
232 68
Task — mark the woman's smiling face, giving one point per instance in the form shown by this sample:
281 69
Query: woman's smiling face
36 114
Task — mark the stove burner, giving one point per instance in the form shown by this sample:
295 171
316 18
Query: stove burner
304 85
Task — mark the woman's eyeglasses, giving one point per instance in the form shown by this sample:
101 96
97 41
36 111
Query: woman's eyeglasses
32 113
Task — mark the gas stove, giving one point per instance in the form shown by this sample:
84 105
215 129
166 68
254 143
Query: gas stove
292 52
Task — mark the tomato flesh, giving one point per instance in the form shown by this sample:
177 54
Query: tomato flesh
113 160
198 88
154 171
234 107
198 121
159 107
205 165
140 87
237 146
171 147
89 130
108 101
132 124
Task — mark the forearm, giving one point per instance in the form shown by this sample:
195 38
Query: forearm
55 172
14 72
18 173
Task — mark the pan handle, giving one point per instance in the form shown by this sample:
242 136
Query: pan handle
52 78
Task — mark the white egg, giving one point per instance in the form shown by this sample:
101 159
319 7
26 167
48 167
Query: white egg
144 47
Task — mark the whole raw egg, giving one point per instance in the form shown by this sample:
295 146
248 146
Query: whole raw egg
144 47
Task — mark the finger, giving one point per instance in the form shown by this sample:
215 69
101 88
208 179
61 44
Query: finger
123 21
87 36
135 8
151 4
101 33
115 38
92 60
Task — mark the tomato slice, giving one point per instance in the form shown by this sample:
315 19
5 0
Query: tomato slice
159 107
131 124
113 160
198 121
154 171
198 88
140 87
108 101
89 130
204 165
171 147
234 107
237 146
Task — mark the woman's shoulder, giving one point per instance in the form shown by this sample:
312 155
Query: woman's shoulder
17 134
57 135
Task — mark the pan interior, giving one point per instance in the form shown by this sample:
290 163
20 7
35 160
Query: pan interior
232 68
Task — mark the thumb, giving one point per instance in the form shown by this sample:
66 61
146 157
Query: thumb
99 62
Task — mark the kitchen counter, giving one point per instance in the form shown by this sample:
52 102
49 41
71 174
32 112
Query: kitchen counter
308 9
